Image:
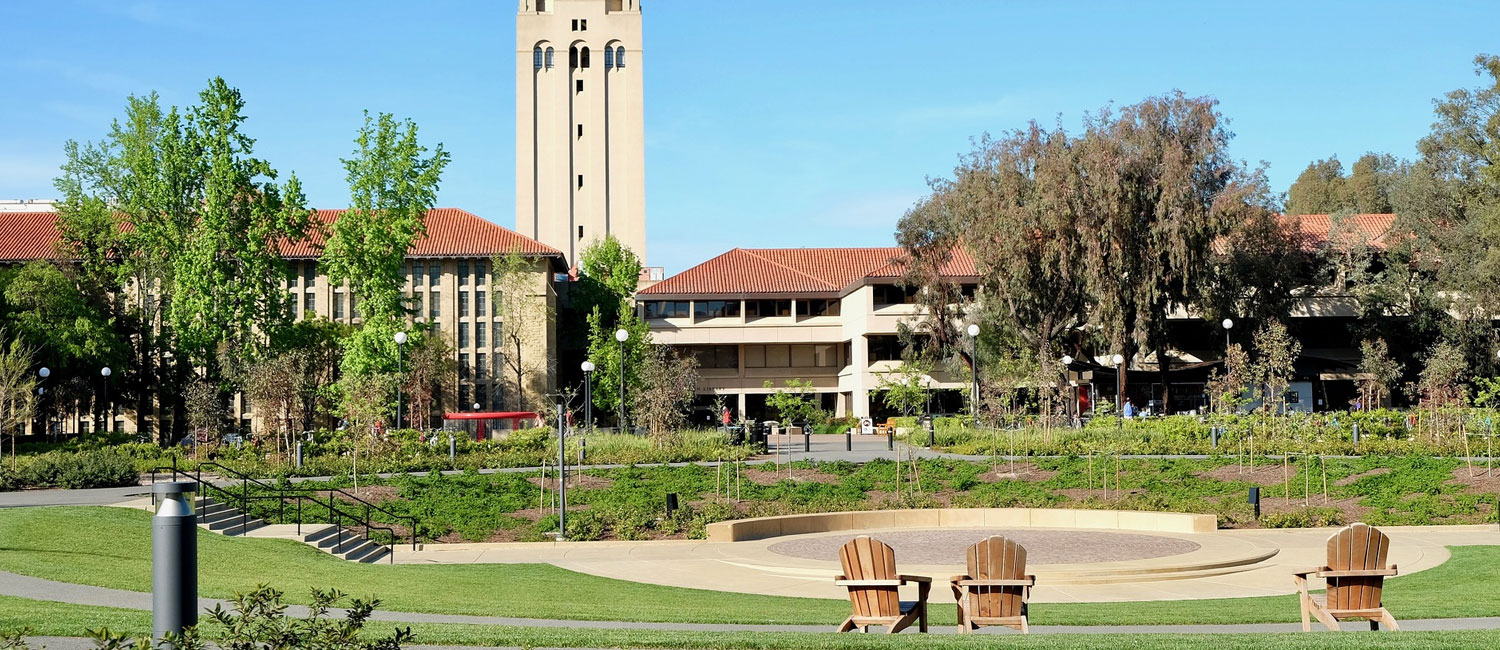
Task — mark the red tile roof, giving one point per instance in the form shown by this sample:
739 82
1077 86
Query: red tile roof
794 270
1317 230
451 232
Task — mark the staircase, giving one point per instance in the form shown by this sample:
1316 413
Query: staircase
224 519
341 543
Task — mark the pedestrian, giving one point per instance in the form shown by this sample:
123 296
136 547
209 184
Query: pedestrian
1129 409
724 417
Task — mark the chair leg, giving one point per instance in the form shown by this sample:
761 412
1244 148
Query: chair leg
1390 621
1025 626
1306 623
922 617
847 625
1326 619
1374 625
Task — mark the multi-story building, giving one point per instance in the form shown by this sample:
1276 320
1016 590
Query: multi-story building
580 130
829 316
450 290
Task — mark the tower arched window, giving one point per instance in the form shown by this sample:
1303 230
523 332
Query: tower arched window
536 58
609 58
583 58
573 57
549 58
620 57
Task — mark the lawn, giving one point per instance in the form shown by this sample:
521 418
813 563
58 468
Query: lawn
110 547
59 619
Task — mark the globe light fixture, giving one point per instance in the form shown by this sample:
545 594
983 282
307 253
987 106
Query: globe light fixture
105 371
1067 360
973 329
45 372
621 335
400 338
588 393
1228 323
1118 359
587 366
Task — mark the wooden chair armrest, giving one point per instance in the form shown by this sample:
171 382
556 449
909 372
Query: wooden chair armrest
1357 573
839 577
1027 581
915 578
869 583
1308 572
956 579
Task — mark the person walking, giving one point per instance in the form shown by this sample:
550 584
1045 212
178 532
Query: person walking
1129 409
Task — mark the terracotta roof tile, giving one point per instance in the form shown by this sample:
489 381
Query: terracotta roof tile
1317 230
451 232
793 270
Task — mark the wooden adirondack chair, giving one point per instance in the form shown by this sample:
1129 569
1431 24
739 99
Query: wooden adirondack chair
870 574
996 589
1355 574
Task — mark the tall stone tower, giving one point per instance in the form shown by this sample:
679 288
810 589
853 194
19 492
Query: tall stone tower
580 132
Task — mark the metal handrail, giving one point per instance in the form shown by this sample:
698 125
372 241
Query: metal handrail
283 493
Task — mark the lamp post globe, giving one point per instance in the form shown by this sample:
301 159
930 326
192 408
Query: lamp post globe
105 371
621 335
400 338
588 393
1118 359
1067 360
587 366
973 329
45 372
475 406
1228 323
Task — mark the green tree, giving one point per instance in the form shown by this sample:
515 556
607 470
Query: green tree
669 380
521 303
393 183
17 389
1276 354
1160 190
930 233
1319 189
1378 371
431 380
794 402
605 353
608 276
904 389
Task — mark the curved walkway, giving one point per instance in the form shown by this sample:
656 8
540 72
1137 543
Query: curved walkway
39 589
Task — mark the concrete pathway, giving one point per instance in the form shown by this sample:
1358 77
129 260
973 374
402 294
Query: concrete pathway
38 589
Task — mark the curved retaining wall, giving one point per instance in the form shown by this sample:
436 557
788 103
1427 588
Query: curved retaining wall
741 530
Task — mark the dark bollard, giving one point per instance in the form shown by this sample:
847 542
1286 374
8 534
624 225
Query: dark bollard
931 431
299 454
671 503
174 559
849 439
1255 500
806 439
890 438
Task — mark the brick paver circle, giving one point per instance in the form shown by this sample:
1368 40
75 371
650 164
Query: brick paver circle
947 545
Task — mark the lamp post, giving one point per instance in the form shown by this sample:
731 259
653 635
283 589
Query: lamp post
108 414
1227 323
973 331
1119 361
622 335
400 343
1067 362
44 373
927 410
588 394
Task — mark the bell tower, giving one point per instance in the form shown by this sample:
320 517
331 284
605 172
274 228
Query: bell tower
580 130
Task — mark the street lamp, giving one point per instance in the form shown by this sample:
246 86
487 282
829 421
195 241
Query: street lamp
622 335
588 392
44 373
400 343
1228 323
108 414
1119 361
973 331
1067 362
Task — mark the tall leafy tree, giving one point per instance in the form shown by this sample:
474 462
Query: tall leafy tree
608 275
393 183
607 355
1160 189
525 312
1319 189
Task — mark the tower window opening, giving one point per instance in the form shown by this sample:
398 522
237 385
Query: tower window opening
580 130
583 58
580 181
536 58
578 85
609 58
580 232
575 24
620 57
541 5
583 24
549 58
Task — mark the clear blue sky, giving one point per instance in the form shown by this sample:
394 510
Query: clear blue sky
768 122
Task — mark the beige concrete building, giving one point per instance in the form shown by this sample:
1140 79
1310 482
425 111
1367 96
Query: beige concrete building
580 130
825 315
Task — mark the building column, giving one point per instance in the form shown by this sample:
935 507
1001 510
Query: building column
740 404
859 348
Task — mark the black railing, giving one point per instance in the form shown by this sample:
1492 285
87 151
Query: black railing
283 494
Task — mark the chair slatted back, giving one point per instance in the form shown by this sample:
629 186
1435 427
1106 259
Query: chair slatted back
1357 547
996 558
865 558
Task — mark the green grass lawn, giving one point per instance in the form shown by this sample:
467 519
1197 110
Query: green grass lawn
59 619
110 547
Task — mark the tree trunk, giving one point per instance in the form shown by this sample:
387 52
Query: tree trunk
1164 366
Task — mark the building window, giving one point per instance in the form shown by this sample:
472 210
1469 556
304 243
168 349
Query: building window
580 130
549 58
309 275
434 300
818 307
667 309
479 306
479 366
536 58
418 270
496 338
717 356
463 303
463 335
609 58
338 305
479 335
482 398
580 232
481 271
580 181
578 86
884 348
778 356
463 365
463 397
353 305
619 57
575 24
573 58
434 274
583 24
309 305
765 308
707 309
890 294
463 273
583 58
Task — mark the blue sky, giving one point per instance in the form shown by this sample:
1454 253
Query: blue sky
768 123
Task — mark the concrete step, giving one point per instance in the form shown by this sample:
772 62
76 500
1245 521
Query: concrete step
366 549
379 554
240 529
